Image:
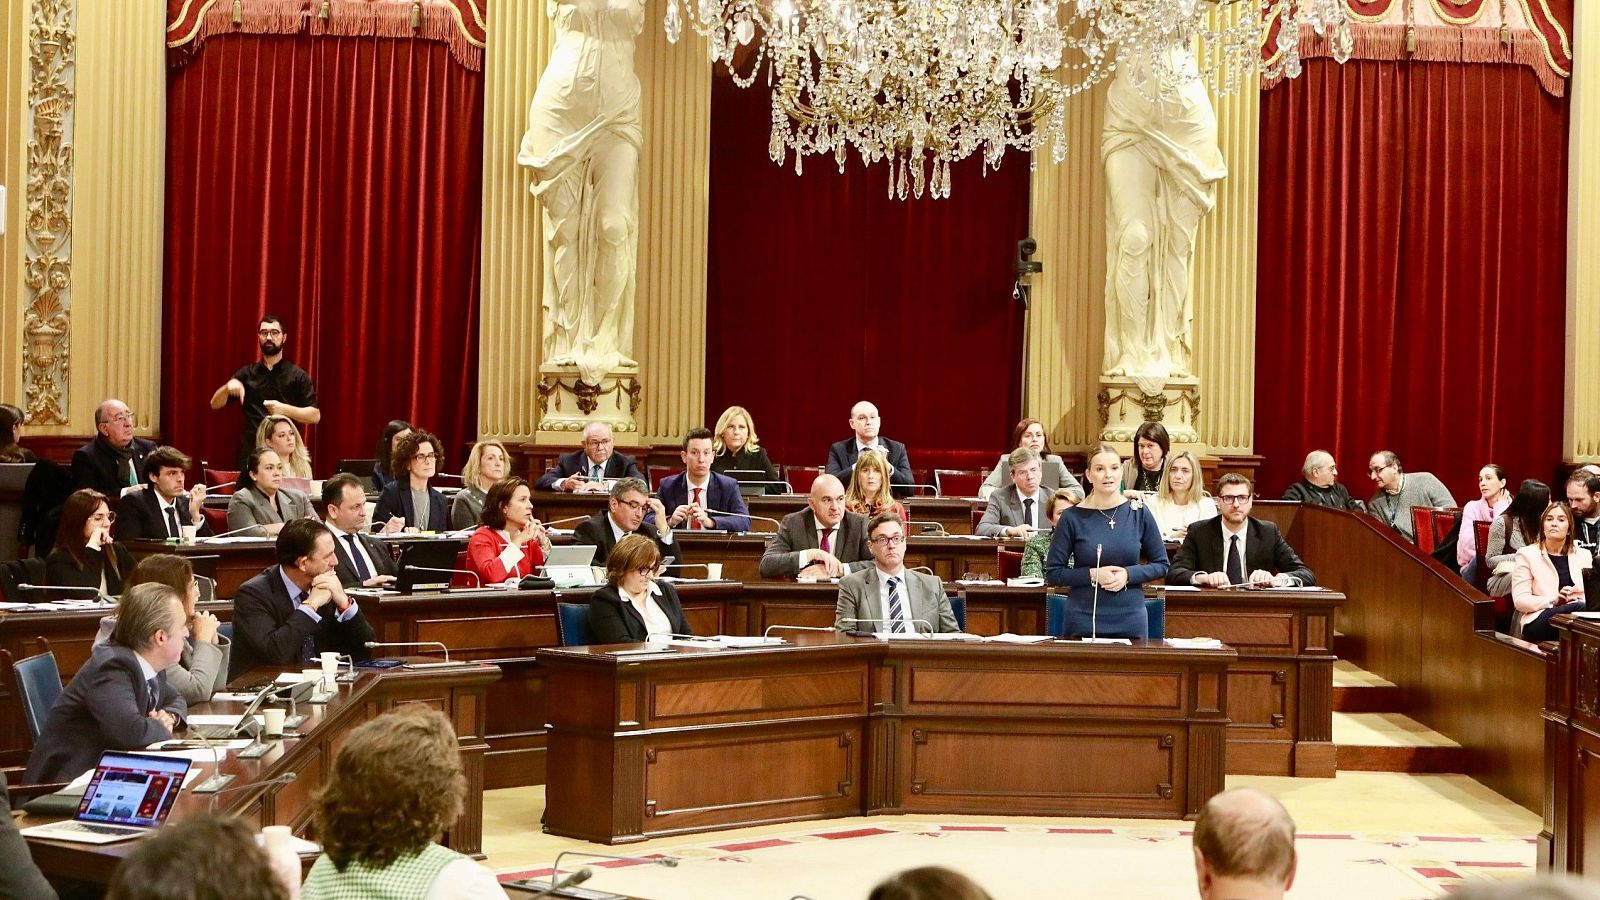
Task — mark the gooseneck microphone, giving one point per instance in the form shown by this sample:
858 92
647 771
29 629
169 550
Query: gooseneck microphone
768 631
913 622
447 663
745 515
475 579
285 778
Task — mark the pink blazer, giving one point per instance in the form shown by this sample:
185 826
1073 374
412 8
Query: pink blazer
1534 580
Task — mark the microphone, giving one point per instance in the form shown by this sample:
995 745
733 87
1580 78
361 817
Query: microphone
891 622
768 632
723 512
477 581
578 877
567 519
285 778
787 487
718 512
938 527
448 662
228 533
68 588
1094 610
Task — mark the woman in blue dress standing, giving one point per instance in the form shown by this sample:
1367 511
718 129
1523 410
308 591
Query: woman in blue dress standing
1104 537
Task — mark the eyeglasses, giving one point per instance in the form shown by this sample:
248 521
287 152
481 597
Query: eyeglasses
270 332
426 457
886 542
635 505
646 571
1235 499
1373 470
122 417
599 442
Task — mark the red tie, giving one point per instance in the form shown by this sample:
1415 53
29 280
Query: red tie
827 540
694 521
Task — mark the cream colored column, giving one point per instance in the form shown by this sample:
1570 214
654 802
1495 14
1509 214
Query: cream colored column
13 174
1581 431
673 191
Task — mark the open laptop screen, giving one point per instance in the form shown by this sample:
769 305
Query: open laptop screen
131 789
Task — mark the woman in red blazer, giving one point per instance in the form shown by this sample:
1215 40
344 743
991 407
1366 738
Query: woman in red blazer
510 543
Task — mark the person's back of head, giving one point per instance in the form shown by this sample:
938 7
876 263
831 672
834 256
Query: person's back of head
1545 887
208 858
1244 837
928 883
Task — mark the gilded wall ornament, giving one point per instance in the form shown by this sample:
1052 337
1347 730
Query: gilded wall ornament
47 232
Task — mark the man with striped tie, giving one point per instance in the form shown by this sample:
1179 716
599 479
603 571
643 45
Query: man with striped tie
886 596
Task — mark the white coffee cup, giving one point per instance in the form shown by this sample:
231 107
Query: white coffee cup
312 675
714 571
188 533
598 573
274 717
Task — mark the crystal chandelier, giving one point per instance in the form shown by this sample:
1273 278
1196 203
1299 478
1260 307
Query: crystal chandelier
921 84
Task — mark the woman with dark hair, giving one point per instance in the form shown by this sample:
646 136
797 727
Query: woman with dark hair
1150 448
202 670
201 858
396 785
510 543
1052 471
1493 500
262 504
409 501
10 434
928 883
85 555
1547 577
1512 530
390 442
633 606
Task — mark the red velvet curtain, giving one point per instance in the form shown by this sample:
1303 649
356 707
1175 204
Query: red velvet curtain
334 182
1412 284
822 292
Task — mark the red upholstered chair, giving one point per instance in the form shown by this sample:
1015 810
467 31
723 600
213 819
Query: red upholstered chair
216 518
1008 563
1480 533
957 482
800 477
216 478
1422 527
656 473
977 517
459 580
1444 520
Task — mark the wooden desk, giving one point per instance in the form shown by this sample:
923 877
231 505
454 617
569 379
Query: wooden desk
239 562
948 557
954 513
686 741
1572 753
459 693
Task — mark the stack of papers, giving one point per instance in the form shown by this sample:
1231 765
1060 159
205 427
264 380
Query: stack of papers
1009 638
1194 643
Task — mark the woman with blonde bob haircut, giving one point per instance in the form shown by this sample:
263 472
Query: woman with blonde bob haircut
486 464
396 785
283 436
738 450
1180 502
633 606
868 493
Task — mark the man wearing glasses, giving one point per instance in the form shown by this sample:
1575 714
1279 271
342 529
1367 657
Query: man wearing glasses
589 469
1399 491
112 463
888 597
630 500
1235 549
272 386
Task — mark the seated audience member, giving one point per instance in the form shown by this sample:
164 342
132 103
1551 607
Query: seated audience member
1053 472
162 509
1180 501
22 879
1492 501
1399 491
824 540
1038 546
624 515
1547 578
282 436
1320 485
510 543
120 698
112 463
1142 474
11 451
586 470
698 497
404 760
738 451
1583 495
1539 887
1244 846
85 555
868 493
364 561
928 883
393 433
206 858
864 421
1512 530
633 606
1018 509
486 464
297 609
1236 548
202 670
261 504
409 501
886 596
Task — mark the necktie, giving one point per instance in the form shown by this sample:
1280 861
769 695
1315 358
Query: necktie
1027 512
362 572
172 522
897 609
694 521
308 649
827 539
596 473
154 696
1235 564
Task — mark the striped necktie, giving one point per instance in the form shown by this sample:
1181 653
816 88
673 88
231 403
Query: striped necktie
897 609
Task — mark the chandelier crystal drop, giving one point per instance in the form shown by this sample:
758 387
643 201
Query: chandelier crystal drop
920 84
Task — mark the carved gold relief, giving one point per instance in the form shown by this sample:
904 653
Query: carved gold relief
47 233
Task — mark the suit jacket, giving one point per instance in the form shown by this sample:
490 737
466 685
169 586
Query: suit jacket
619 465
596 530
842 459
396 500
483 557
105 707
722 492
858 599
798 532
248 506
1005 510
1264 548
94 465
613 620
23 880
377 551
268 629
61 568
139 516
1535 584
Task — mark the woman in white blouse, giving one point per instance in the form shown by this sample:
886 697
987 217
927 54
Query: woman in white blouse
1180 502
633 606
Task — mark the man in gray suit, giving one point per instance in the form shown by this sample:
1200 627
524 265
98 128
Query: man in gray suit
821 541
888 597
1020 508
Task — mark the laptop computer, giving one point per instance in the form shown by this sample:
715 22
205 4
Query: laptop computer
435 553
128 796
568 565
245 725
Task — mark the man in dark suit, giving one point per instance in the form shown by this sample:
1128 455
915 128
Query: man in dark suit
630 498
586 470
364 561
23 880
693 494
119 700
296 609
112 463
864 421
1235 548
821 541
162 509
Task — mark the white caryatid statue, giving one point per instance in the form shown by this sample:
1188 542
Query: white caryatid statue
1162 164
582 144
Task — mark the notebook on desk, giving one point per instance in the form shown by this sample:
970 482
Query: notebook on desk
129 796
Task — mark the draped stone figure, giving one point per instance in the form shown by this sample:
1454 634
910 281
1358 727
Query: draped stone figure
583 143
1162 164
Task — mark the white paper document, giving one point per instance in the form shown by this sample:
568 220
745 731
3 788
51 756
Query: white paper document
1009 638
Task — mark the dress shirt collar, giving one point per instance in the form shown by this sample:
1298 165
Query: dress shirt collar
294 589
617 533
145 669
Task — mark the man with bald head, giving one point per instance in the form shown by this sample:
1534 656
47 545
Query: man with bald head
112 463
1244 847
821 541
864 421
588 469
